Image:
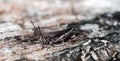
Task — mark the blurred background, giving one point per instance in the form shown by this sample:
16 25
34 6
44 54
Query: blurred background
16 14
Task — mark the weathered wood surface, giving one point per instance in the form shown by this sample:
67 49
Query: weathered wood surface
58 38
